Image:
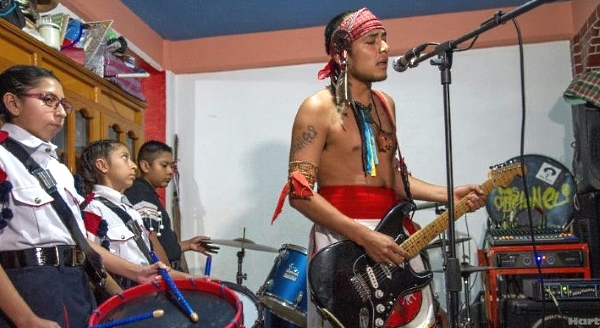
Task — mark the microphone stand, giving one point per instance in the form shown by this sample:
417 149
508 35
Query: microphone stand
445 51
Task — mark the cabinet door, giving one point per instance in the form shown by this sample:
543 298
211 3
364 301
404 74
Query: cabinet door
118 128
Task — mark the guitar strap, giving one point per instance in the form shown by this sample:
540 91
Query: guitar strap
94 267
401 162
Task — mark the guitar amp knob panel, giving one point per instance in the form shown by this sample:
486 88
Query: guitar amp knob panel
552 258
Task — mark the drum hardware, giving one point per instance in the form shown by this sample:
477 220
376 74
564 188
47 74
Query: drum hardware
242 243
465 271
240 276
461 237
440 242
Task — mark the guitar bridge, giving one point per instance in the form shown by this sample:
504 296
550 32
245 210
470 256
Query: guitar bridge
361 288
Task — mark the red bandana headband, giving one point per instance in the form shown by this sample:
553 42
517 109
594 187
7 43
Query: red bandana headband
355 26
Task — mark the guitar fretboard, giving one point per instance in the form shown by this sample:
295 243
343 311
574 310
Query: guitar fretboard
417 241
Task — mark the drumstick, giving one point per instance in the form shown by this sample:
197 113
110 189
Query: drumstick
207 266
154 314
188 309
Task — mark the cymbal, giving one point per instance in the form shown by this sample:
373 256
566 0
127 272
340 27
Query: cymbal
243 243
467 268
438 242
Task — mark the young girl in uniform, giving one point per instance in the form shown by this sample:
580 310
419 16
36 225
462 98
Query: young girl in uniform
109 218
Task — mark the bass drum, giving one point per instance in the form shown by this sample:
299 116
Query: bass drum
550 187
252 308
215 304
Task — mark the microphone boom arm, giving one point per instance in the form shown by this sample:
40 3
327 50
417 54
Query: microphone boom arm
498 19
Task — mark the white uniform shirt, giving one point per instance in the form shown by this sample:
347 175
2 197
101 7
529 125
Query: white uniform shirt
34 222
121 239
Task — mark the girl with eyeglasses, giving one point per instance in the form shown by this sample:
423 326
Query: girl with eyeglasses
42 276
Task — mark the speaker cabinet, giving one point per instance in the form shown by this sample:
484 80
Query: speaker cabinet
525 313
587 227
586 157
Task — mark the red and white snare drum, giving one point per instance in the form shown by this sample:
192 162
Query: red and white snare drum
216 305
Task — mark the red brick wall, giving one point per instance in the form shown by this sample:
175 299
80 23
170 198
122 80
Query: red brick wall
154 115
585 45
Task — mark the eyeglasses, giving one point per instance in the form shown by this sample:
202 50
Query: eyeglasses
51 101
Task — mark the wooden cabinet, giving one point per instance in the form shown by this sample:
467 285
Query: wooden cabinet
100 109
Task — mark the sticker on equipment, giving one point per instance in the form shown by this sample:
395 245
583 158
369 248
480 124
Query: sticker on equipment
548 173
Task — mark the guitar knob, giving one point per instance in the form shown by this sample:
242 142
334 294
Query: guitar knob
380 308
378 293
379 322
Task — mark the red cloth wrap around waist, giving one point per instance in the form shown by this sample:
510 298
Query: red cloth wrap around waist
361 202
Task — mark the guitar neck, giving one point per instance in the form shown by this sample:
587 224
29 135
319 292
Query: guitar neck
416 242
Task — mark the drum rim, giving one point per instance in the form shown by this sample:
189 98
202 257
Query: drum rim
245 290
197 284
298 248
270 299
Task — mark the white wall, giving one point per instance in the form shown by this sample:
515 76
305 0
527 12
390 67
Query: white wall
234 130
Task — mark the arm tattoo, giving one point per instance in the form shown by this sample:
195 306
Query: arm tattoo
304 139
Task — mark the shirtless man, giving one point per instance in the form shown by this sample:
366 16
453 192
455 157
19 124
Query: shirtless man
359 179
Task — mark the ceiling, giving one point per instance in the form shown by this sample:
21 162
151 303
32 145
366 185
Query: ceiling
193 19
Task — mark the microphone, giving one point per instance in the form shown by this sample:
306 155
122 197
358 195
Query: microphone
402 63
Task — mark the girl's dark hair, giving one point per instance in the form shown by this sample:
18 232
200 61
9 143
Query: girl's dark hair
151 149
333 24
89 155
19 79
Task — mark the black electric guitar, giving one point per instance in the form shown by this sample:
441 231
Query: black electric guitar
351 290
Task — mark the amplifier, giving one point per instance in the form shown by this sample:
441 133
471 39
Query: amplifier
524 313
563 289
547 258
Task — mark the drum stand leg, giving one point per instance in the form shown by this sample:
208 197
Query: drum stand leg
466 322
240 277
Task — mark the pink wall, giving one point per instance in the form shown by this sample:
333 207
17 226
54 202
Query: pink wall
582 9
549 22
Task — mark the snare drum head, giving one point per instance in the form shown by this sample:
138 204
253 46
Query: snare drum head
215 305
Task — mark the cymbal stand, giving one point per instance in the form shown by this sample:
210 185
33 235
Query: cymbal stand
240 276
466 322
